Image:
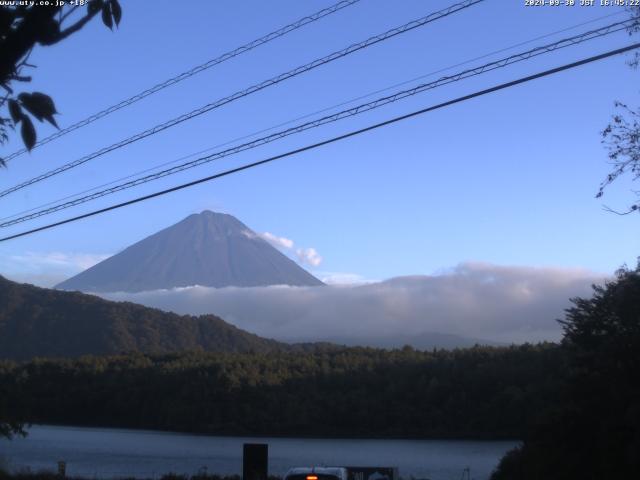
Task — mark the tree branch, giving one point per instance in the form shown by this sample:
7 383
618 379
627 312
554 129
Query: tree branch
69 12
20 78
76 26
634 208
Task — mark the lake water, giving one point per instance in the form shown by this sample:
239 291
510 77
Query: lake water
111 453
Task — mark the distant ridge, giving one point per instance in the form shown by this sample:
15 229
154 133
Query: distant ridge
40 322
208 249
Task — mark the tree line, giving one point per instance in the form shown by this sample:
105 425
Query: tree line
482 392
592 430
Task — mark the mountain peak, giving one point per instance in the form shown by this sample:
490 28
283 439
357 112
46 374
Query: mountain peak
209 214
208 249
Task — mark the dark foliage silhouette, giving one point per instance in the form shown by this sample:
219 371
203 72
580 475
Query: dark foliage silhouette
594 431
49 323
23 27
622 135
482 392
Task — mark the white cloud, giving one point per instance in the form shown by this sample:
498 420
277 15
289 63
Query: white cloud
342 278
72 261
279 242
47 268
38 279
309 256
503 304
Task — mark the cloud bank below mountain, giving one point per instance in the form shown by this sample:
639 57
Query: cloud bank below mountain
473 300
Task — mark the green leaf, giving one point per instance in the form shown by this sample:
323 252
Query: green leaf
52 121
46 101
15 111
106 15
116 10
40 106
28 132
48 32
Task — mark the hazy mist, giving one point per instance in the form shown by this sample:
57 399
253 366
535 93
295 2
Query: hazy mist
480 301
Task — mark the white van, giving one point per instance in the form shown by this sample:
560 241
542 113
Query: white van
317 473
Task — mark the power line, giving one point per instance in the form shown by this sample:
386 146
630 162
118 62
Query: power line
311 114
576 39
353 133
193 71
253 89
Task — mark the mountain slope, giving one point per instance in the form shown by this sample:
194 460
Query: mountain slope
208 249
48 323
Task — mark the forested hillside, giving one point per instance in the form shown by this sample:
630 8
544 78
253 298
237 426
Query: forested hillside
481 392
39 322
593 430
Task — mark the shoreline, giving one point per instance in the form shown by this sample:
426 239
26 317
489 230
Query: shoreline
125 429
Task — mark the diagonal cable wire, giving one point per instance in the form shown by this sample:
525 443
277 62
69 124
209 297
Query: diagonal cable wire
311 114
331 140
190 73
365 107
253 89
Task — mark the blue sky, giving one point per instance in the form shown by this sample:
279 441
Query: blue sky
506 179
